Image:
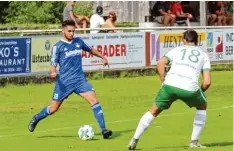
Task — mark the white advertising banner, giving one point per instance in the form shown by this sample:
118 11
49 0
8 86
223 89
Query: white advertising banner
220 44
41 52
123 50
228 37
164 41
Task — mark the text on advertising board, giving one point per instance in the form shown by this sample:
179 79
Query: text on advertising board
15 55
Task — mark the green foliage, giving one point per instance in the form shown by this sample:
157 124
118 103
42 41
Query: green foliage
58 10
3 6
95 76
34 12
42 12
127 24
84 8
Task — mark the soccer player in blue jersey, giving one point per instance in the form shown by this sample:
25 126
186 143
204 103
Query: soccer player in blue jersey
67 54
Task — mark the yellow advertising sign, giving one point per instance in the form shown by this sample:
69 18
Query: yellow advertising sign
176 39
41 53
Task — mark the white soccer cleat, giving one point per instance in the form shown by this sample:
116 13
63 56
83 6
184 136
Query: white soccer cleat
132 144
196 145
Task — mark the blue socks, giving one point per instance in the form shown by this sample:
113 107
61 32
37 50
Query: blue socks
97 110
43 114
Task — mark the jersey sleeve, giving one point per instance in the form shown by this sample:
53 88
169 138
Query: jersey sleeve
85 47
206 66
54 56
169 55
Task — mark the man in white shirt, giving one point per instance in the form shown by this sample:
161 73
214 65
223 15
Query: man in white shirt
96 20
181 82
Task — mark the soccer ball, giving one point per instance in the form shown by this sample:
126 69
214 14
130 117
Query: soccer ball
86 132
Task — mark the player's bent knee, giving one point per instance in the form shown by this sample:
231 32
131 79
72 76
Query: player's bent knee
155 110
90 97
202 107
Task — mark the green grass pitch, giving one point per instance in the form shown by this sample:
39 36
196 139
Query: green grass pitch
124 101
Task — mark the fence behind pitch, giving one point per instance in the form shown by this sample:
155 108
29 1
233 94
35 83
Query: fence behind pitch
27 55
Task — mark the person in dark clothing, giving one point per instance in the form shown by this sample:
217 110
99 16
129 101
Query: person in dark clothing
163 14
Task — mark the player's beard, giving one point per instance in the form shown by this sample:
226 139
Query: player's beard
68 37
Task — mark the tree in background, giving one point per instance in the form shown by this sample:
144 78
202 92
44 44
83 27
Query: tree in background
25 12
84 8
3 5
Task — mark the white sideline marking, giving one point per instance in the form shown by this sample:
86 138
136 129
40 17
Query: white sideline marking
119 121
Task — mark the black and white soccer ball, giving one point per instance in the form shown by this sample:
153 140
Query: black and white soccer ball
86 132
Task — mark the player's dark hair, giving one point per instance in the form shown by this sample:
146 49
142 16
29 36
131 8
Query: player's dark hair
68 23
191 36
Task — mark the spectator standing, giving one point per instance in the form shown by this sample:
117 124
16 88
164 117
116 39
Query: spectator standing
96 20
176 9
68 14
163 14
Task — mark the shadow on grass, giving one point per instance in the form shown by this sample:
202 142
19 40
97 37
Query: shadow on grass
114 135
57 136
209 145
119 133
217 144
65 136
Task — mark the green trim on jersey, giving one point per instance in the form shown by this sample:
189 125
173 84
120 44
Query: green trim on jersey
206 69
169 94
169 60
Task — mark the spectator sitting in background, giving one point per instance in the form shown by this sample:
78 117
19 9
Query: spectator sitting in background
110 23
187 8
68 14
228 8
230 12
96 20
176 9
216 8
163 14
223 11
212 17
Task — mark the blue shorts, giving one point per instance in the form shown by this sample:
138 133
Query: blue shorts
63 90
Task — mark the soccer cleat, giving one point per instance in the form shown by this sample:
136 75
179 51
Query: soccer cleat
106 133
32 124
132 144
195 144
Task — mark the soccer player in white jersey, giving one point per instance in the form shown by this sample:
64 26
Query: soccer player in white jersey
181 82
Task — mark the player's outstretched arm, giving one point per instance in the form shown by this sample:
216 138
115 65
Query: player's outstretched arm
98 54
206 80
161 68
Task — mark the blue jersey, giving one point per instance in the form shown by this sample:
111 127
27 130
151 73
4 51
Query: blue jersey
68 55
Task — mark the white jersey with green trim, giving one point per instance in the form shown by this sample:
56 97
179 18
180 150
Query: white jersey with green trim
187 62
